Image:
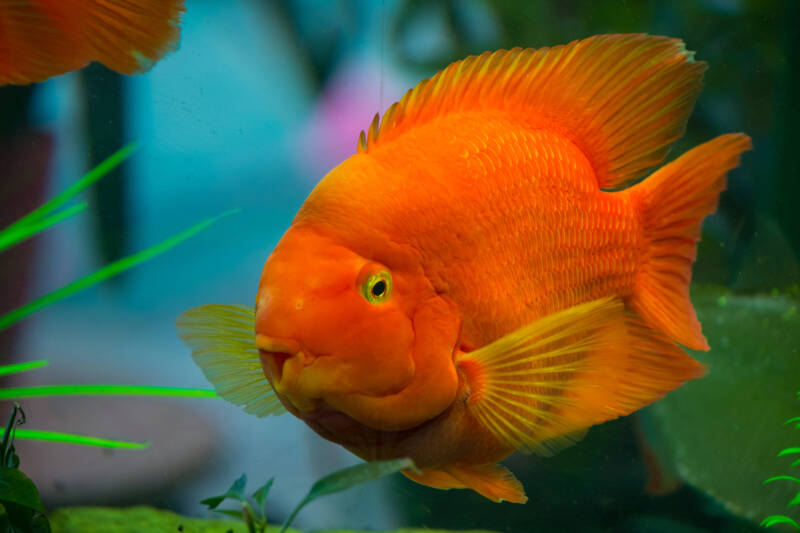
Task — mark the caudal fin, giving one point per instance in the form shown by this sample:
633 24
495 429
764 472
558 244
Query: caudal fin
674 201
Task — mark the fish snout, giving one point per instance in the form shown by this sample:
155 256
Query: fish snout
274 353
282 361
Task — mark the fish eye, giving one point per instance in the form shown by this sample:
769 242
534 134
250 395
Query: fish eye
377 286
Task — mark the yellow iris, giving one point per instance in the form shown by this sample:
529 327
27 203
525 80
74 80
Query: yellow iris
377 287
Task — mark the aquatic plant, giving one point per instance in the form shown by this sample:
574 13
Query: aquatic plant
50 213
21 507
783 519
254 516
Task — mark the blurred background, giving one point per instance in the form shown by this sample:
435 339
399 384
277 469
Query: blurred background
262 98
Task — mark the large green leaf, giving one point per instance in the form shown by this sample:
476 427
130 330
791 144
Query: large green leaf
18 488
722 433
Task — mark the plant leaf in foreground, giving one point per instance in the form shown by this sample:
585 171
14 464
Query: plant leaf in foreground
347 478
779 519
18 488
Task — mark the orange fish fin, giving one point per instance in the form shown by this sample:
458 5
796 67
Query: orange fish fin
45 38
38 41
130 37
674 201
222 340
493 481
622 99
437 479
540 387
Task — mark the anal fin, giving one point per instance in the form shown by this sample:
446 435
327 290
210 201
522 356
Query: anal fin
492 481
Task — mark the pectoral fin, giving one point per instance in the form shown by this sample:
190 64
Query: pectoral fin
222 339
540 387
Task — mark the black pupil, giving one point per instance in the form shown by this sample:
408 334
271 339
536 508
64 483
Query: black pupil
379 288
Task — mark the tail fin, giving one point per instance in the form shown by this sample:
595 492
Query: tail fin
674 201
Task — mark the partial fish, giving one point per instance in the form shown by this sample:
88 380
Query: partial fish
40 39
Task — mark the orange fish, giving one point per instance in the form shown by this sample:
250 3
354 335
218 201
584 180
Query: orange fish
478 278
40 39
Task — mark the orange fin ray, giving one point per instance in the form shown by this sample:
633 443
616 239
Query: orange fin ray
492 481
622 99
540 387
674 200
45 38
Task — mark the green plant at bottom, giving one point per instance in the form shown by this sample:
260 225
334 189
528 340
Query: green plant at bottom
21 507
782 519
254 516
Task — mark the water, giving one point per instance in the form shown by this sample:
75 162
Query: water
259 102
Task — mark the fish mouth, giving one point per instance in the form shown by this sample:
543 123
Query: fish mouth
274 353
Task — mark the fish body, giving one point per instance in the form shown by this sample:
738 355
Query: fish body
473 281
44 38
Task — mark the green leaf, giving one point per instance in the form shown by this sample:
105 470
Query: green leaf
793 420
786 478
795 501
12 236
347 478
235 492
8 457
18 488
779 519
237 489
213 502
787 451
22 367
73 190
103 390
229 512
260 495
53 436
106 272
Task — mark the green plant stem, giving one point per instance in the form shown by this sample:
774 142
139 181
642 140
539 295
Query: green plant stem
69 438
103 390
22 367
11 236
106 272
65 196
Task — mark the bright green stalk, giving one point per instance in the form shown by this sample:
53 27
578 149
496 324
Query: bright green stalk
69 438
11 236
17 393
22 367
88 179
106 272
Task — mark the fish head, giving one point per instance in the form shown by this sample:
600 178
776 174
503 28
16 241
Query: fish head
342 333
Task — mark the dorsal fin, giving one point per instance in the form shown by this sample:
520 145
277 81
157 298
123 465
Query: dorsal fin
622 99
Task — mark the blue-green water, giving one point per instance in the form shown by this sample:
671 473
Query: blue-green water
261 99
